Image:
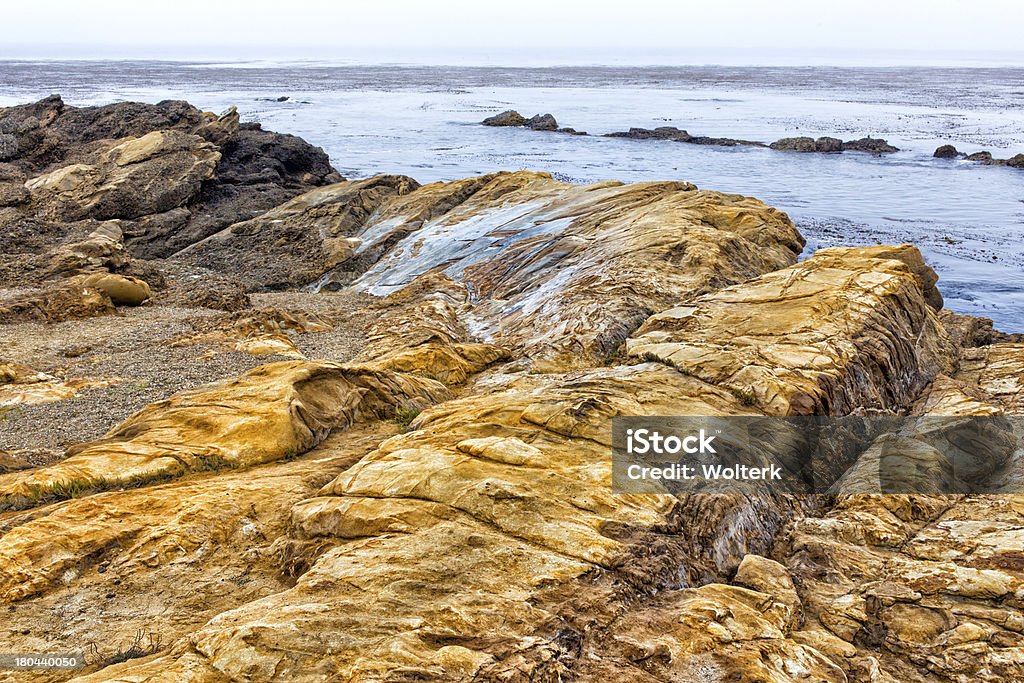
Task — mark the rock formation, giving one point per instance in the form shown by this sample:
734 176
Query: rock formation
546 122
805 144
946 152
985 158
412 481
543 122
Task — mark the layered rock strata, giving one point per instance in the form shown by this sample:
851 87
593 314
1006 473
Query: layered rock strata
438 506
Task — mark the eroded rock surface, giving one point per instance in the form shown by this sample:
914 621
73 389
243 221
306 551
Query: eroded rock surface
437 505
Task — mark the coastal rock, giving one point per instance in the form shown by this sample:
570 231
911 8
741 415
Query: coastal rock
439 507
102 249
272 412
70 300
20 385
946 152
996 372
299 241
806 144
122 290
783 356
260 333
476 497
869 144
506 118
256 171
10 463
139 176
8 146
967 331
983 157
660 133
613 253
542 122
219 130
425 333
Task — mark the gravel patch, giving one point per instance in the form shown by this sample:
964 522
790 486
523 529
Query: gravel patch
133 346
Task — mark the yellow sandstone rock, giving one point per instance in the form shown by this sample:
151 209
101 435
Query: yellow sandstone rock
458 524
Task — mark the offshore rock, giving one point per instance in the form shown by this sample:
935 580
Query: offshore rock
542 122
947 152
660 133
806 144
506 118
869 144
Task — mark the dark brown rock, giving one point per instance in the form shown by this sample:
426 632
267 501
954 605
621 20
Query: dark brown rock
802 144
826 145
257 169
869 144
68 301
946 152
542 122
660 133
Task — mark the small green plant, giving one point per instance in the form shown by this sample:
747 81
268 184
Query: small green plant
745 396
650 357
58 491
404 415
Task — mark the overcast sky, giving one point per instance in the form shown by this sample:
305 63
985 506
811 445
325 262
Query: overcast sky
595 30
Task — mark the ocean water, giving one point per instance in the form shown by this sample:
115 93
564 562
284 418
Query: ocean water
423 121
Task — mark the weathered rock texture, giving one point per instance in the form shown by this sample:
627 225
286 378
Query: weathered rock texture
439 507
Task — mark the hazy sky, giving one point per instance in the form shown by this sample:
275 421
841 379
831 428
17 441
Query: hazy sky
501 30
